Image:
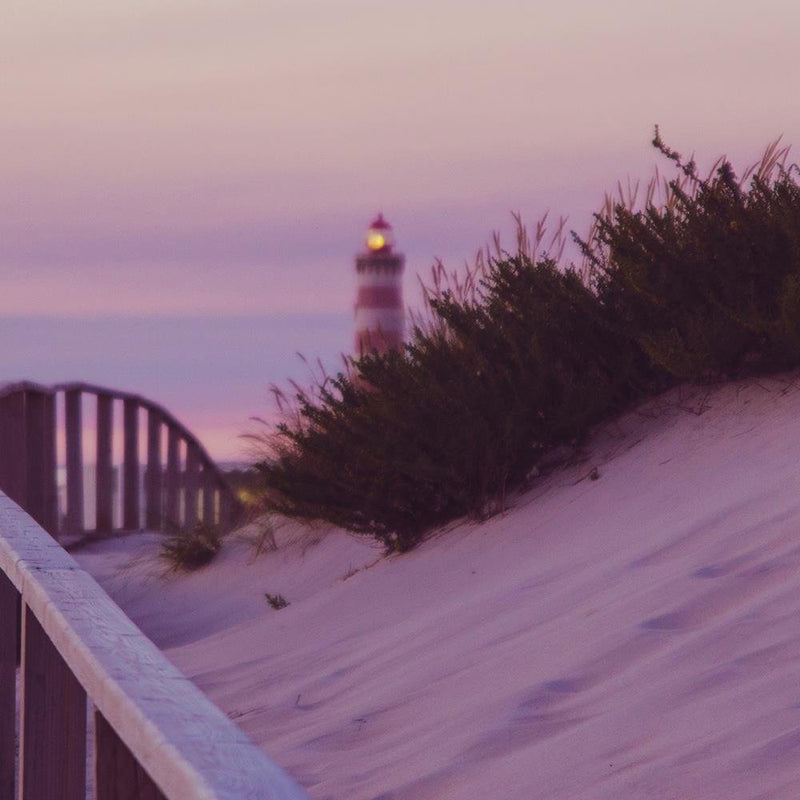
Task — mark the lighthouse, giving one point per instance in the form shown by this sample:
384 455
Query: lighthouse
379 318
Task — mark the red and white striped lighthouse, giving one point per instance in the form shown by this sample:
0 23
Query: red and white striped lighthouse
379 301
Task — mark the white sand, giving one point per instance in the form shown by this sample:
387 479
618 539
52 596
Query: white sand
635 636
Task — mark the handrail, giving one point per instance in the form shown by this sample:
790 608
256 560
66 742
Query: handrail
156 736
7 389
172 491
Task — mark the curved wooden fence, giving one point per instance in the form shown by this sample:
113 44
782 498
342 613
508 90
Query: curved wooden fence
174 486
153 734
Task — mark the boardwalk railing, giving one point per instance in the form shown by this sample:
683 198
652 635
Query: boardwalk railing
181 484
155 736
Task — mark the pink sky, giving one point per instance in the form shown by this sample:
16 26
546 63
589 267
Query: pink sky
199 157
185 156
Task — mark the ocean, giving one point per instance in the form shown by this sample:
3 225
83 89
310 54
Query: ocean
211 372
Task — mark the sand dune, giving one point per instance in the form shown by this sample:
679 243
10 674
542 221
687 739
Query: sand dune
633 636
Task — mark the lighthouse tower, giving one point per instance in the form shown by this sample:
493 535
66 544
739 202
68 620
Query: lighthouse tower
379 300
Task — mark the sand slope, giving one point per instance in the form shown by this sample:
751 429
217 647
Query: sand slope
634 636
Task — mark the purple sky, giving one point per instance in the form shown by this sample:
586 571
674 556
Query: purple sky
190 157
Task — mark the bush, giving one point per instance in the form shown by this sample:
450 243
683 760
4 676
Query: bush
708 284
277 601
191 549
527 356
448 424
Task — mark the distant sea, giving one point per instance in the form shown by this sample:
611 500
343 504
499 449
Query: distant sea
212 372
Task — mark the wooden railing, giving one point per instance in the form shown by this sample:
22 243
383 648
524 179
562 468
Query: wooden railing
151 734
177 491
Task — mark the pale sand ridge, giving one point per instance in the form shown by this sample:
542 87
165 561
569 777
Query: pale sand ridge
636 636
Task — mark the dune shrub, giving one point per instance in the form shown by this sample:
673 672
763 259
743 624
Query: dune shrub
276 601
448 424
192 548
701 285
708 283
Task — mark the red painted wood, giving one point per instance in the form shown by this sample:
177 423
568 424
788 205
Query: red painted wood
172 519
130 466
9 618
118 776
53 747
153 502
104 484
74 432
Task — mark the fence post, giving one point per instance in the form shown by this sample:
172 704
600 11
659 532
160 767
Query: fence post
153 501
192 483
13 450
9 620
53 725
51 520
172 510
226 508
130 470
117 773
74 431
209 480
104 479
40 431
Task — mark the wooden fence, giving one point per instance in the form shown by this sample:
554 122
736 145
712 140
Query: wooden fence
154 735
179 490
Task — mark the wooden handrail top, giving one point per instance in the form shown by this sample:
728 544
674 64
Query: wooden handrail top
185 743
12 387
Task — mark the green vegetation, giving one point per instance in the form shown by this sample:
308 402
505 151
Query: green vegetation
524 355
191 549
277 601
708 284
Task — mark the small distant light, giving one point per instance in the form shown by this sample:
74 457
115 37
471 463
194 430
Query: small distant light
376 240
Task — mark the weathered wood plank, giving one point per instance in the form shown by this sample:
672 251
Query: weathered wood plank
192 485
9 627
13 450
73 422
13 454
153 500
23 547
51 521
104 483
34 462
130 468
40 476
172 518
53 725
224 510
228 508
118 776
209 482
187 745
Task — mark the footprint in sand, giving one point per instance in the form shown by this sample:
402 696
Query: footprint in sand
548 710
738 590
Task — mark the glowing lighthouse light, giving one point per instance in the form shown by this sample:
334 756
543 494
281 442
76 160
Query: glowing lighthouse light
379 299
379 235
